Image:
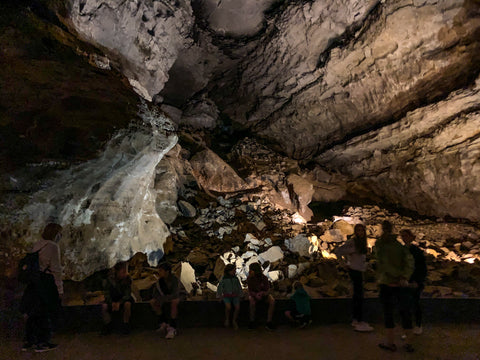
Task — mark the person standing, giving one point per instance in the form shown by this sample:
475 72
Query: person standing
41 300
417 280
230 290
355 252
394 268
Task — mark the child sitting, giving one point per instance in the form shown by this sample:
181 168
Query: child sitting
259 290
301 311
230 290
118 298
166 290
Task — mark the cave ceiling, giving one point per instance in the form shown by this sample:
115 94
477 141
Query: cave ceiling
385 93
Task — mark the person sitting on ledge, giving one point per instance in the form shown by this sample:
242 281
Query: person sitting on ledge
166 291
301 312
118 298
259 290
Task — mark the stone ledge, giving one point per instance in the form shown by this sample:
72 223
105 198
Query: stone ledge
196 314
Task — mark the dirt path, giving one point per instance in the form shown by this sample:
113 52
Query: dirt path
452 342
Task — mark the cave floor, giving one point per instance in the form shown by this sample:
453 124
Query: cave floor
439 341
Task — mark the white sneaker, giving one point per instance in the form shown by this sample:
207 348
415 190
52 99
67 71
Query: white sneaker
363 327
355 323
417 330
162 328
171 332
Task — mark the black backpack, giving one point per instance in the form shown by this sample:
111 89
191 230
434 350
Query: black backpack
29 268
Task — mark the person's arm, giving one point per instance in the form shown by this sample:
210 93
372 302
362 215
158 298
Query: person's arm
54 265
220 288
107 292
345 249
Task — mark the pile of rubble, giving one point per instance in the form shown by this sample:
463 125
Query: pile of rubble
238 232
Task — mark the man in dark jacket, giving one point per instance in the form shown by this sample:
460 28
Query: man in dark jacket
417 280
166 291
118 298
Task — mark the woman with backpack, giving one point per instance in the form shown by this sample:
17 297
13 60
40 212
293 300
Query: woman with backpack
41 299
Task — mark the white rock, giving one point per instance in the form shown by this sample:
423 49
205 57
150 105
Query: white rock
299 244
272 255
248 254
292 271
187 276
253 240
333 235
211 287
275 275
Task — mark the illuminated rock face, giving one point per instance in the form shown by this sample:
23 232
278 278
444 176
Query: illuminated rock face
312 77
108 205
145 36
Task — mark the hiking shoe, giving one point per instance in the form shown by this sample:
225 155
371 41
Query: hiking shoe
363 327
251 325
417 330
171 333
389 347
162 328
304 324
270 326
45 347
27 346
408 348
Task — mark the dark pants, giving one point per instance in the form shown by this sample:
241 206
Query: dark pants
391 297
417 309
357 281
38 328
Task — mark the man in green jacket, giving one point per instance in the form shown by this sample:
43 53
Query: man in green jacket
394 268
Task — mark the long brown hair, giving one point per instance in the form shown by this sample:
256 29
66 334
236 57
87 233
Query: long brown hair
360 241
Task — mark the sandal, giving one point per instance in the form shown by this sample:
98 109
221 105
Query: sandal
391 347
408 348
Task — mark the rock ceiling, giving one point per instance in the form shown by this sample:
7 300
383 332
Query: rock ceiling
384 92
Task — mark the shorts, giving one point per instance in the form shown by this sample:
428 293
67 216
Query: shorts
232 300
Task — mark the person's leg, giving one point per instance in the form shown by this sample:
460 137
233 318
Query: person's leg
252 305
387 299
106 315
44 328
174 312
357 299
417 309
271 308
228 309
236 311
289 316
157 308
30 332
127 312
405 304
